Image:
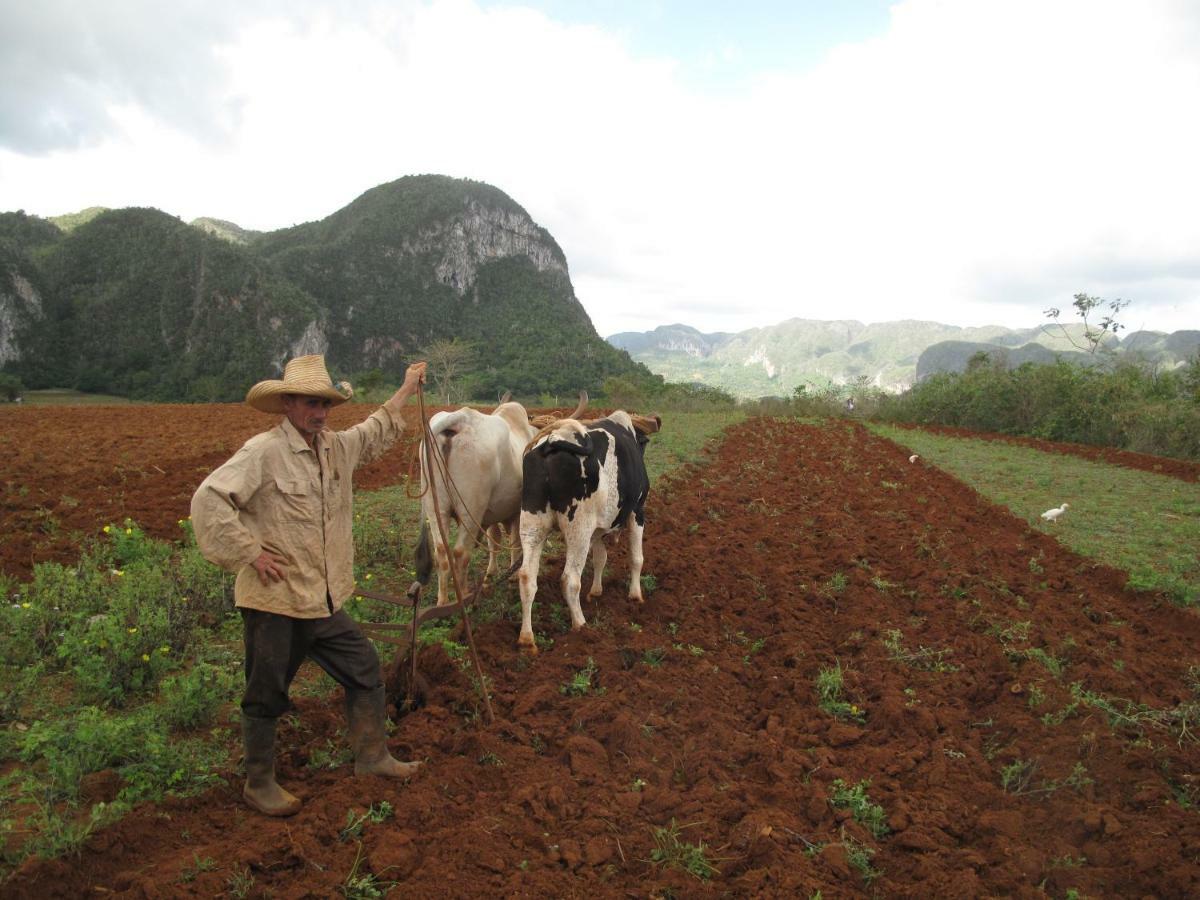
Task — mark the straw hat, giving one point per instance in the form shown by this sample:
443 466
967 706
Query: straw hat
305 375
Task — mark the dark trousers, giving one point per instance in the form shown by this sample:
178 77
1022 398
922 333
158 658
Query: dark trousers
277 644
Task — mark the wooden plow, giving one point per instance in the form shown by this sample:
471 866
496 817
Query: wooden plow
386 631
407 635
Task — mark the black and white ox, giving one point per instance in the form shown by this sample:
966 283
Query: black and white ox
587 479
481 454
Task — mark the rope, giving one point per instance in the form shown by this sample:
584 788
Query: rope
427 437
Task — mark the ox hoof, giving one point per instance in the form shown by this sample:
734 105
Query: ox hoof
528 647
592 595
636 598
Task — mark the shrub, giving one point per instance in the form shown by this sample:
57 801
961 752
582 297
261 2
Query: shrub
191 699
126 649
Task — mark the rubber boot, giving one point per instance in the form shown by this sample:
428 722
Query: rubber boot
262 792
368 737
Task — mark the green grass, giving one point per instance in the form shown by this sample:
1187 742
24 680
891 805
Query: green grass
683 438
1145 524
67 397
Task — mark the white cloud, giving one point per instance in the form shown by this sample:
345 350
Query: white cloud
976 163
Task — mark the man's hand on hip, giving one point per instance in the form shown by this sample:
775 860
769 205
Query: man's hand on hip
269 567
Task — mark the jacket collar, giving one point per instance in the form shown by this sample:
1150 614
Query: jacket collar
295 439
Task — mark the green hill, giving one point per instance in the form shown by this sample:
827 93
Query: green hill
137 303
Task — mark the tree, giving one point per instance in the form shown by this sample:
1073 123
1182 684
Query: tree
1093 335
10 387
448 361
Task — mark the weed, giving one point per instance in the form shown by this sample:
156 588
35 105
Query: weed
1179 720
924 658
654 656
1016 775
1017 778
649 584
835 585
354 824
330 756
1053 664
363 885
199 866
854 798
671 852
1067 862
241 884
1062 715
859 856
830 685
1036 696
491 759
583 682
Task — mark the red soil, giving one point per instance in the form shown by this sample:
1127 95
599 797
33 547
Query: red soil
816 541
66 472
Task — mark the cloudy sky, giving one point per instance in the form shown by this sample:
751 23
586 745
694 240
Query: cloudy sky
722 164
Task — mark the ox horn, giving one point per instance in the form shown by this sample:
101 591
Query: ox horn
583 402
646 424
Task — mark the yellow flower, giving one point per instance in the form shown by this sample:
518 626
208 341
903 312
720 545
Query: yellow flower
133 630
145 657
164 649
107 529
129 531
118 572
853 708
368 576
24 606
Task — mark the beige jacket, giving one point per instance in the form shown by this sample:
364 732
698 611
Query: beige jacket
272 495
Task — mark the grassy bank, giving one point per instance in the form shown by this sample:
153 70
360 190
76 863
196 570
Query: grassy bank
1147 525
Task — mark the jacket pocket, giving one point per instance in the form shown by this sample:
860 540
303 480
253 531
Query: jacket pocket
295 500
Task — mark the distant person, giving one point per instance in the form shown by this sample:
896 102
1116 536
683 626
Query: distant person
279 514
849 404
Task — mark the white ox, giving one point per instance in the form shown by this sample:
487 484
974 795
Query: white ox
481 454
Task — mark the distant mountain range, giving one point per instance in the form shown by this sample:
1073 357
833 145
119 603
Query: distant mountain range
137 303
773 361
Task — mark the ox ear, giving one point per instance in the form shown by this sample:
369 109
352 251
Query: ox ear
504 398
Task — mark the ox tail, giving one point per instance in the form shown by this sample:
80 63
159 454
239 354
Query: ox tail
423 557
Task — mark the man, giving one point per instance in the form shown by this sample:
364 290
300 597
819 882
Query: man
279 514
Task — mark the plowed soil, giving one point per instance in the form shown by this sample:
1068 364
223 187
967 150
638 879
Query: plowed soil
795 549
